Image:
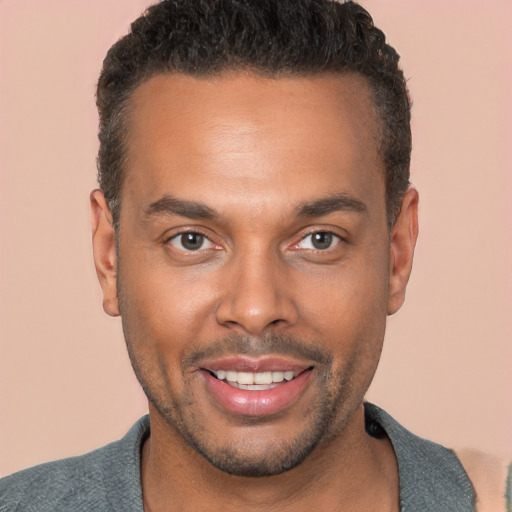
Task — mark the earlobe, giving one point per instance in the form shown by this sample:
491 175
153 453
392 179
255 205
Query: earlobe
402 243
104 250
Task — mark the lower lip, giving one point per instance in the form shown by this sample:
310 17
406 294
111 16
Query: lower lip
257 403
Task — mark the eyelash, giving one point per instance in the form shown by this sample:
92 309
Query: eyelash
333 240
179 236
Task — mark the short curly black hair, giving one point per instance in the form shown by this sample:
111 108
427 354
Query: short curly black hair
269 37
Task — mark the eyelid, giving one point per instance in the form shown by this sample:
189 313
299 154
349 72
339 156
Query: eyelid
339 239
192 230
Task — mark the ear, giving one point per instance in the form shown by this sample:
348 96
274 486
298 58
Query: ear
104 249
403 241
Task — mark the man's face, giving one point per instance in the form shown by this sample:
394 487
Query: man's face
253 249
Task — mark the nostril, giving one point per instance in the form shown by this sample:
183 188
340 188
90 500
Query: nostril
250 310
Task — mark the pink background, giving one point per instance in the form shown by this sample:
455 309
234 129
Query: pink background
66 385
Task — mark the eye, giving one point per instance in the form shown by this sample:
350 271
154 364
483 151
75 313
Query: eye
191 241
319 241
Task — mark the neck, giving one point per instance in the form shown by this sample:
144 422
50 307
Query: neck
352 471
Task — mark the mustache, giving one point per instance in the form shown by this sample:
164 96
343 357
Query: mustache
277 344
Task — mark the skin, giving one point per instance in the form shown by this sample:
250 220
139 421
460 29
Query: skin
256 152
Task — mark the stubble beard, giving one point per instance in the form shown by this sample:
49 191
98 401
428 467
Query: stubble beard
281 456
327 416
341 395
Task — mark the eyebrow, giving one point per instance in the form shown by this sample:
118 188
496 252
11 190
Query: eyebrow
169 205
336 203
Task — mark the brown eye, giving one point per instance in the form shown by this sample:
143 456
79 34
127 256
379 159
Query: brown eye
190 241
321 240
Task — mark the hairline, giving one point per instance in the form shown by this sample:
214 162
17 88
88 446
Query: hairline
121 115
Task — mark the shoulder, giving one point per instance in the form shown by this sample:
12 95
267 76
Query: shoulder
57 485
88 482
431 476
436 478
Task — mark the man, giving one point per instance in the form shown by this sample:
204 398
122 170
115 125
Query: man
254 227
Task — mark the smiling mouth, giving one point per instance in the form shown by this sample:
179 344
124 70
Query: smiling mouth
252 387
255 381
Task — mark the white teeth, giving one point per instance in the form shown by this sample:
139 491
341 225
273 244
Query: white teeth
249 379
262 378
232 376
277 376
246 378
256 387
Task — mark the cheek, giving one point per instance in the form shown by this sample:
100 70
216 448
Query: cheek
354 293
165 289
161 308
348 308
159 324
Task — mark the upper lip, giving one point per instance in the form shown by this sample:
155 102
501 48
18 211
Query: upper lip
250 364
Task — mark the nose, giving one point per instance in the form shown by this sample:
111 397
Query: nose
258 295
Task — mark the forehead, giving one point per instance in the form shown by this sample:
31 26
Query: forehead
246 132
